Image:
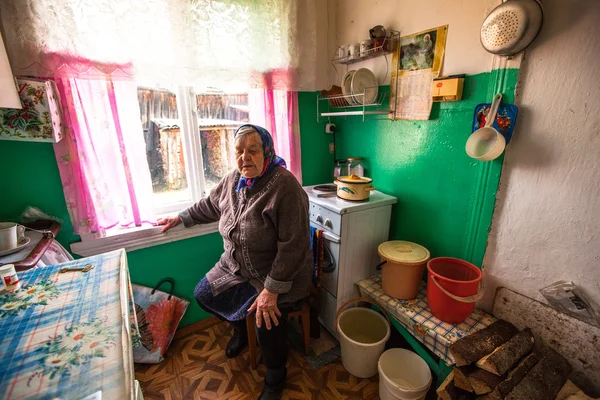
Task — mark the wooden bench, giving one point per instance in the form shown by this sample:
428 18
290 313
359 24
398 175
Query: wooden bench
427 335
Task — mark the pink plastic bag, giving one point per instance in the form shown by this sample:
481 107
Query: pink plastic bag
158 315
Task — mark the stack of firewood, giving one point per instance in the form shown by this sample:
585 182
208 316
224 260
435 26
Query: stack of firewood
498 362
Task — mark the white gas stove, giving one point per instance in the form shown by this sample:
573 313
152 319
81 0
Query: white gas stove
352 231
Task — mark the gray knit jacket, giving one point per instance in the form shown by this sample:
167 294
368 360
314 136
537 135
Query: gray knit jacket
265 232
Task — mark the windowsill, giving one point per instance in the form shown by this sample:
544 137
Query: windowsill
140 239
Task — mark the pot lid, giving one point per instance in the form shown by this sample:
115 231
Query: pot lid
404 252
354 179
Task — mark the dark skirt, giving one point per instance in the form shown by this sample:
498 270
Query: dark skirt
231 305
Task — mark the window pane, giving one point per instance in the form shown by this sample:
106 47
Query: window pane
161 124
219 116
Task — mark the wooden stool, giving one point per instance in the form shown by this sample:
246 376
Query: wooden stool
303 313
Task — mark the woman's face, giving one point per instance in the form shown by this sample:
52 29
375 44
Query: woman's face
249 155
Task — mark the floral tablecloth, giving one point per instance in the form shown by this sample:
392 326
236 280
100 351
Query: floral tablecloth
416 317
68 335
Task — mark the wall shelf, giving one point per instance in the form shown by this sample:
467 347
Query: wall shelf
371 104
387 47
346 113
349 105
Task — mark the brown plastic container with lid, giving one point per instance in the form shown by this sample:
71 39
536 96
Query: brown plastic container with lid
402 268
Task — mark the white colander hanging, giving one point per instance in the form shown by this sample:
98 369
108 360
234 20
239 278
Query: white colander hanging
511 27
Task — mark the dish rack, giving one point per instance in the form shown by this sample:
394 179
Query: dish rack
345 105
389 45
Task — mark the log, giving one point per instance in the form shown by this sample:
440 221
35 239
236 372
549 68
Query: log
448 391
484 382
501 360
571 392
471 348
461 379
576 340
473 379
545 379
514 378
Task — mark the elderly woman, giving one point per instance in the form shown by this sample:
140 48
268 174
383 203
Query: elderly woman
266 266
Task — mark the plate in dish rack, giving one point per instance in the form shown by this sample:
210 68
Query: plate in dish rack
364 82
347 86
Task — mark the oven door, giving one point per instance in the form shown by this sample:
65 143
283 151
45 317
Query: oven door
331 257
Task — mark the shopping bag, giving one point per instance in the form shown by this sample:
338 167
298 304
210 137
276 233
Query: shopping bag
158 314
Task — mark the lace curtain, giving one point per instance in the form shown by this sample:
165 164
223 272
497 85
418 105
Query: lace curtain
192 42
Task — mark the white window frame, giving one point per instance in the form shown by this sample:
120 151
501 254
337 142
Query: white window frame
192 151
141 237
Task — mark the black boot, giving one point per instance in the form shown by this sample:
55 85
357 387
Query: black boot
272 391
238 341
274 349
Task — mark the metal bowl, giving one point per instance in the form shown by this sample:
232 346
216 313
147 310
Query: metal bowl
511 27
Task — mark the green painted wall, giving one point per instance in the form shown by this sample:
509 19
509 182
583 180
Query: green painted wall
317 162
29 176
445 199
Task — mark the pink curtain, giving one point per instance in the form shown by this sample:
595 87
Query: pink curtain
102 160
277 111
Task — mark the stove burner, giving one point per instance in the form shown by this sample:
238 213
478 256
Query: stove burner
325 188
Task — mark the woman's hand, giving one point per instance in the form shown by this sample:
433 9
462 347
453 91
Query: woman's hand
168 222
266 308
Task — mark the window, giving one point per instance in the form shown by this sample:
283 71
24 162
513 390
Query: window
189 141
181 146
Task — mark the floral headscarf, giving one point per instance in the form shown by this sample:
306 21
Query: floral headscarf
271 160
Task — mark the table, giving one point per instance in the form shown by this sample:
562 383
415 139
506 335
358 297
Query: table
68 335
426 333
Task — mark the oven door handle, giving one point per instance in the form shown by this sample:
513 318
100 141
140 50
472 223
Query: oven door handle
330 237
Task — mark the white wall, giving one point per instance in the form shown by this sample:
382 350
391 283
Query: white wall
546 225
350 21
313 33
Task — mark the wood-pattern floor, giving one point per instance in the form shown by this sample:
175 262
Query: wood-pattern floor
195 367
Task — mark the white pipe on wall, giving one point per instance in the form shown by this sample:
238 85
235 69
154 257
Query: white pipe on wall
9 98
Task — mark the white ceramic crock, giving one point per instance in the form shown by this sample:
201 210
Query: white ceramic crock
354 187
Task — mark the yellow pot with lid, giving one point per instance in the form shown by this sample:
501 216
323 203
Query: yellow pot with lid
354 187
402 268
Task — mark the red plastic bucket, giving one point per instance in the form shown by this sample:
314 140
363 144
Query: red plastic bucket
453 288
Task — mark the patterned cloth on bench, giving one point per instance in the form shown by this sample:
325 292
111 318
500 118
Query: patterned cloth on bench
416 317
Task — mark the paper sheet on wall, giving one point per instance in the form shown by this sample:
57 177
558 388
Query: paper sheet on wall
413 95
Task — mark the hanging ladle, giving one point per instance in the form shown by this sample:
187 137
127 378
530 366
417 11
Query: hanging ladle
486 143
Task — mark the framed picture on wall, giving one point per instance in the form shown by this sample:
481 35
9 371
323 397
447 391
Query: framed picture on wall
423 51
417 60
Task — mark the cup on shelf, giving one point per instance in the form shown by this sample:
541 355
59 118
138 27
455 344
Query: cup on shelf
353 51
342 52
365 47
